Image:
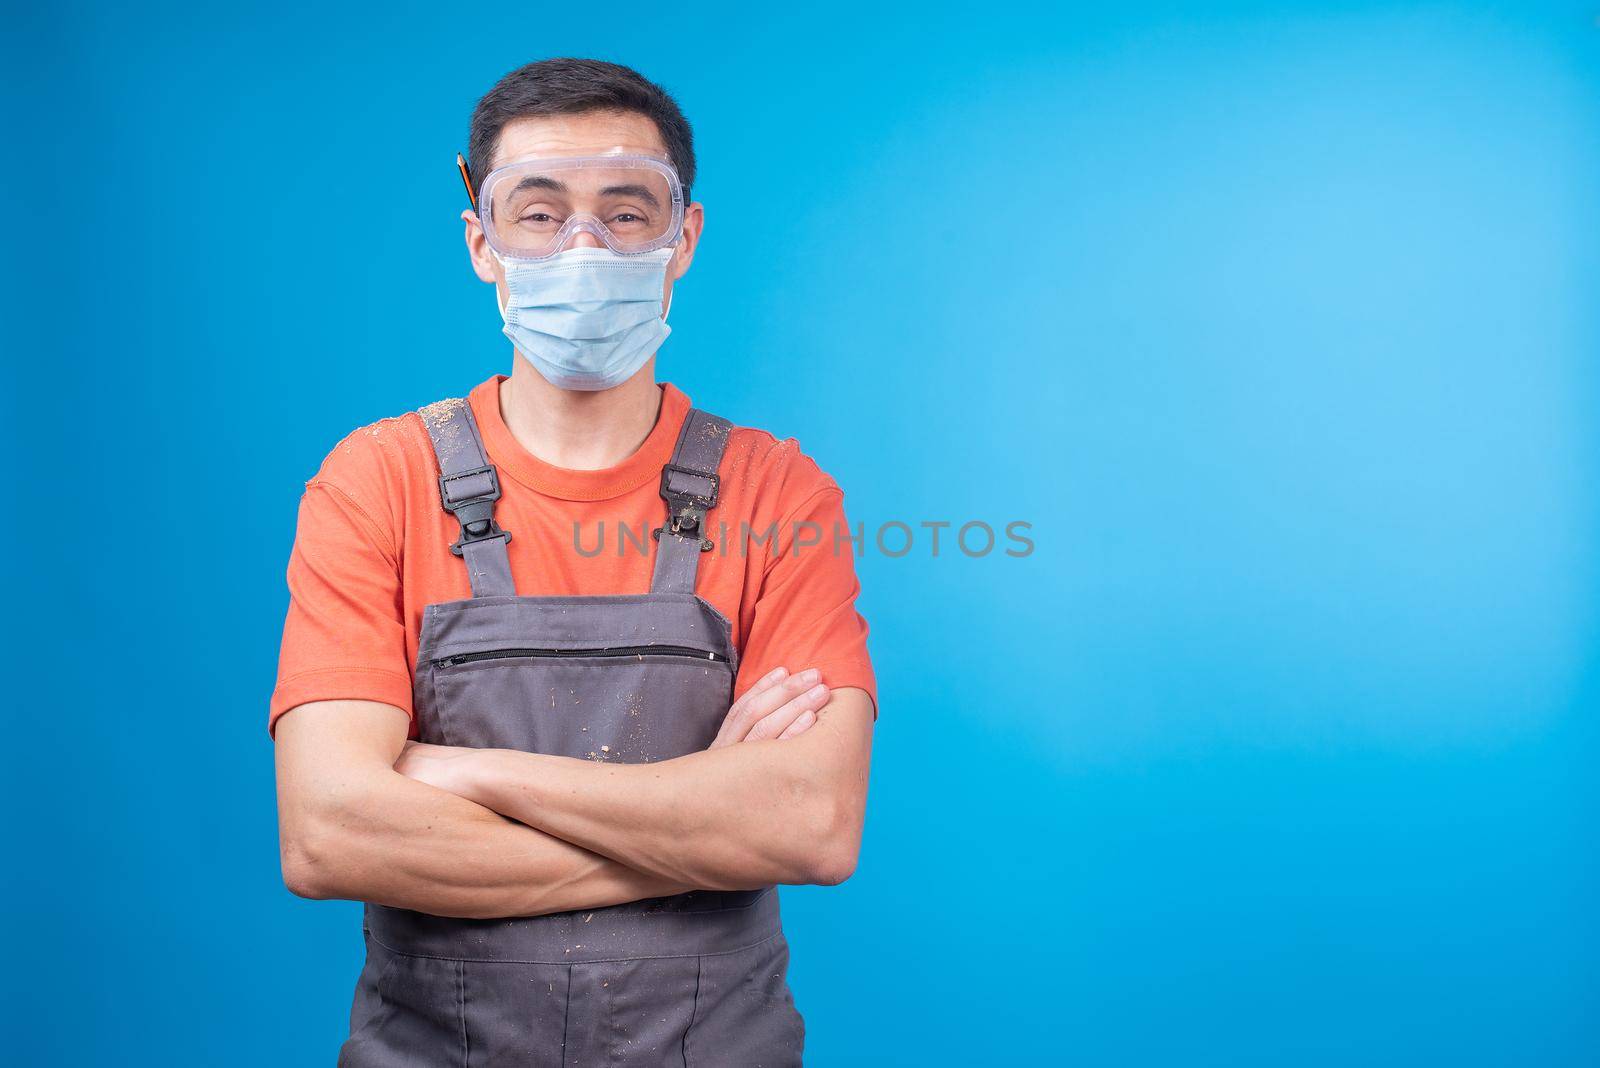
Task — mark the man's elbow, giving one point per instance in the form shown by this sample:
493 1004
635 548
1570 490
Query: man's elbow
301 881
315 850
305 866
835 845
833 865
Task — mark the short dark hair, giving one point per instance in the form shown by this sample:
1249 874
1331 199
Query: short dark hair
570 87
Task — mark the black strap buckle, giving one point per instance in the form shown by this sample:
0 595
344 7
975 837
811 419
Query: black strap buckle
475 513
686 524
683 491
688 497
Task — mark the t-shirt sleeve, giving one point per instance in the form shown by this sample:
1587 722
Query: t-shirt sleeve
344 635
805 615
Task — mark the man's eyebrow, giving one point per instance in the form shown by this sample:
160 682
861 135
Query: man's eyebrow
540 181
638 191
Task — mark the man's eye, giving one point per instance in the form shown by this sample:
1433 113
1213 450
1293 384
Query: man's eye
537 217
627 217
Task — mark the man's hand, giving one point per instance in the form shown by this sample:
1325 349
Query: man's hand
780 705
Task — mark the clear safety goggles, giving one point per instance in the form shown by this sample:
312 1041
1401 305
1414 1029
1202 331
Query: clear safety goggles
531 208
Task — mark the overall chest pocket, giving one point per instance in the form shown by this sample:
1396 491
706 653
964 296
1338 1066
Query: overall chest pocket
629 704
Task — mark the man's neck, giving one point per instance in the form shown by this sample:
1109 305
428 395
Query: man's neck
578 430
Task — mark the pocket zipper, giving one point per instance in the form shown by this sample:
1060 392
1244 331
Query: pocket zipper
617 650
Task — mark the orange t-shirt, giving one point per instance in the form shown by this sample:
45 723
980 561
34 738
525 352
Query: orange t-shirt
373 547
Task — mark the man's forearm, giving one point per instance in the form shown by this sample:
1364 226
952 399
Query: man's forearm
395 841
670 818
734 817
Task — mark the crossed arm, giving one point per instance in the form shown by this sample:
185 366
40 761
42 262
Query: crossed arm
364 814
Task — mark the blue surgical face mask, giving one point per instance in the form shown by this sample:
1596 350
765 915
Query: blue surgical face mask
587 318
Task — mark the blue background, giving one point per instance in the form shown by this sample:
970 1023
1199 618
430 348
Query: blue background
1277 322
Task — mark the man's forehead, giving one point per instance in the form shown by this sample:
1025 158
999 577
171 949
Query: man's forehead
592 133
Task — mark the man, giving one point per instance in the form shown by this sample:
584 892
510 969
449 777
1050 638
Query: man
565 779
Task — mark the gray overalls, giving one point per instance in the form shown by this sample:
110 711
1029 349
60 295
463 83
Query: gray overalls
694 979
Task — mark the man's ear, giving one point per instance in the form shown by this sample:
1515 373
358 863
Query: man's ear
694 221
483 261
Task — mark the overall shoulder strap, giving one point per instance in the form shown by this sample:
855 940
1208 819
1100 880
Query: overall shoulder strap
468 488
689 485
